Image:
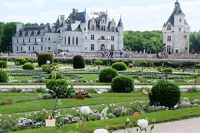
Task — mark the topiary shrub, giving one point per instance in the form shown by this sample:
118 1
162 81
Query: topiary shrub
28 66
165 94
20 61
107 74
3 76
3 64
55 75
43 57
119 66
78 62
122 84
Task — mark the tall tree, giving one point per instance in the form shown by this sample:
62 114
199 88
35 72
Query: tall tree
1 32
9 31
195 42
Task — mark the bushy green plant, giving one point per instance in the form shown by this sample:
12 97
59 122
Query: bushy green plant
119 66
3 76
78 62
143 63
59 87
122 84
165 94
28 66
40 90
197 66
43 57
47 96
48 68
3 64
55 75
20 61
107 74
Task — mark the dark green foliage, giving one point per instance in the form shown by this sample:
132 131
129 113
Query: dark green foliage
78 62
197 66
28 66
107 74
55 75
49 68
188 64
43 57
122 84
32 60
165 94
98 62
3 76
40 90
144 63
119 66
3 64
20 61
59 87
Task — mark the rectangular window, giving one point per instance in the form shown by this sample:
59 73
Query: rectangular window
17 40
29 40
33 48
23 40
65 40
17 48
29 48
73 40
84 28
102 38
113 29
49 39
35 39
68 40
76 40
92 37
92 46
85 37
92 27
21 48
112 38
169 38
112 47
45 39
41 48
41 39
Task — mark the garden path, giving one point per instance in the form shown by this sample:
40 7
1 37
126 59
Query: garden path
182 126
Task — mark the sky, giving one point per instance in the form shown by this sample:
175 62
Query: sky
137 15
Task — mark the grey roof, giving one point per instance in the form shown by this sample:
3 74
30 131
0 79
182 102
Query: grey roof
32 29
83 20
177 10
120 24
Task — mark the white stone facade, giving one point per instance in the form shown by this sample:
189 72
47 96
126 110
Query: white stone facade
176 32
79 33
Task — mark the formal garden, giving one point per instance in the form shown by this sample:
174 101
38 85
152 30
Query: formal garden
61 108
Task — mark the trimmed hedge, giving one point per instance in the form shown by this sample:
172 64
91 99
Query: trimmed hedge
165 94
55 75
107 74
3 64
43 57
122 84
78 62
119 66
20 61
28 66
3 76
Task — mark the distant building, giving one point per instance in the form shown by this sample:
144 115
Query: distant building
79 33
176 32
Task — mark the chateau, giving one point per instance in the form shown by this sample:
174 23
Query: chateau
79 33
176 32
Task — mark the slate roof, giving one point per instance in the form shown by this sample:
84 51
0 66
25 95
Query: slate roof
120 24
177 10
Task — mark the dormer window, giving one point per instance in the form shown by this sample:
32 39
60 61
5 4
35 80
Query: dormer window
46 28
113 29
41 31
23 33
92 27
169 27
35 32
29 32
17 34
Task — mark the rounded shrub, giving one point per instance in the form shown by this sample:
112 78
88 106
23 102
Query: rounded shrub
28 66
20 61
3 64
43 57
55 75
3 76
164 94
107 74
119 66
122 84
78 62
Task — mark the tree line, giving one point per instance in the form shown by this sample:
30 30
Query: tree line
148 41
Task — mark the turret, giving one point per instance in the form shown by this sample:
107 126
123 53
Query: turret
84 29
19 26
120 28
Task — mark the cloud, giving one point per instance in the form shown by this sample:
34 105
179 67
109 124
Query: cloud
31 4
73 0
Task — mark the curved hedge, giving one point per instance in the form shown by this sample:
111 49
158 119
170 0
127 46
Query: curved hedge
107 74
122 84
43 57
28 66
119 66
165 94
3 76
3 64
78 62
20 61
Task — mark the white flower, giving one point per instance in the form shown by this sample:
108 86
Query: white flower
85 110
0 114
142 123
127 120
9 115
100 131
44 110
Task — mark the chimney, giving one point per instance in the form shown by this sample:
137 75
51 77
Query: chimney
74 11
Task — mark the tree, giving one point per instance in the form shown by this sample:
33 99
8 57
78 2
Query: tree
1 32
165 70
195 42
